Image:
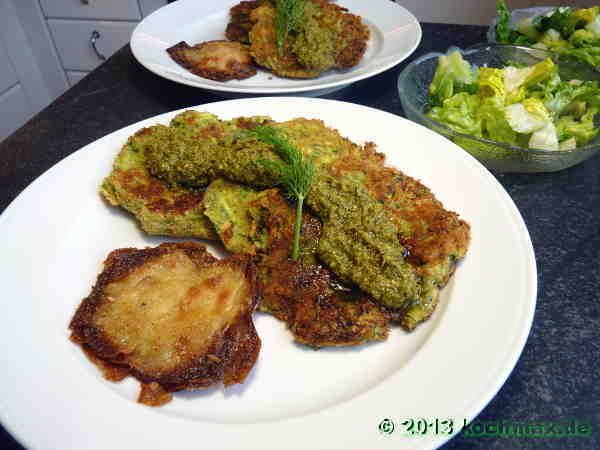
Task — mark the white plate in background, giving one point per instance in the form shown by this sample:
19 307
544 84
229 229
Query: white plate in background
395 33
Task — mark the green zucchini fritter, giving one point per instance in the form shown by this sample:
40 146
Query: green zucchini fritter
160 209
382 230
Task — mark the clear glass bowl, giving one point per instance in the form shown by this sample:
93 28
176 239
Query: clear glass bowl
413 86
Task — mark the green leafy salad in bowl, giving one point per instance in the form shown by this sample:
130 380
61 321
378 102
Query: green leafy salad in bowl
564 30
527 106
516 109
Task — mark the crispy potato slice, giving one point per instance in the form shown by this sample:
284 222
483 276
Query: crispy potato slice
215 60
173 316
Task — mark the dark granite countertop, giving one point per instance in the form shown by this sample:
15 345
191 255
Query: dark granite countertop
557 378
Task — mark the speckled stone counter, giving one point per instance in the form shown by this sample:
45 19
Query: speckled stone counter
557 378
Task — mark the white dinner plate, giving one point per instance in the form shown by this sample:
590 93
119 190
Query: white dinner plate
395 33
56 234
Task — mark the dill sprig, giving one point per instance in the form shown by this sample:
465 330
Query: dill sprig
290 14
294 172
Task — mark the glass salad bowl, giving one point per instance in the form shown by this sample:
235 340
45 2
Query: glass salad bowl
413 88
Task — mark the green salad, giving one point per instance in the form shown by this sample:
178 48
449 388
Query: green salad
526 106
563 30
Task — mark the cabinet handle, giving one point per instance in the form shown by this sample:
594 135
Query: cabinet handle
93 39
86 2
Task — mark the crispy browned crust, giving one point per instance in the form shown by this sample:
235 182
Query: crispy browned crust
356 35
317 315
240 22
228 358
152 192
354 32
317 309
215 60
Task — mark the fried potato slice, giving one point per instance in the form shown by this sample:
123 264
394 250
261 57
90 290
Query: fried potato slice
161 209
215 60
317 309
173 316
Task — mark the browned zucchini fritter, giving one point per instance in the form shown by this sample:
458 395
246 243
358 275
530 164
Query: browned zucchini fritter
240 23
331 38
317 309
173 316
215 60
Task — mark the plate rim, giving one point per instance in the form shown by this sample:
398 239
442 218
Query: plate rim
231 89
519 339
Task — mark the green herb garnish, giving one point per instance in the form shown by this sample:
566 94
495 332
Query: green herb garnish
290 14
294 172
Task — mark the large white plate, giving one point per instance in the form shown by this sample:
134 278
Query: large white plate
395 33
56 234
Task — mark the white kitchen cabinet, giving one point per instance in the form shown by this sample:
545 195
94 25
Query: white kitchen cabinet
92 9
14 110
149 6
73 39
8 76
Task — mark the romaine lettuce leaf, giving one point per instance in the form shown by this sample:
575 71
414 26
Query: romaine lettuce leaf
452 75
568 95
553 41
568 144
494 123
584 38
582 130
491 83
459 113
528 116
544 138
590 55
557 19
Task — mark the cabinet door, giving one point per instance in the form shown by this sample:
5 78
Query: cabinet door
73 41
8 77
14 110
149 6
91 9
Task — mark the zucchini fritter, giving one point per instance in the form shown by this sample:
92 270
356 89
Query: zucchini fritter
240 23
166 207
383 231
161 209
434 237
329 37
215 60
428 238
307 296
172 316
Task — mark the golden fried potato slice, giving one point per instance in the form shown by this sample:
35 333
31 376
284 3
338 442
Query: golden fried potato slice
172 316
215 60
